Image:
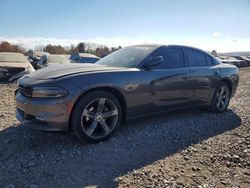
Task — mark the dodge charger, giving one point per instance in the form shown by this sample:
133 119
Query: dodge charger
93 100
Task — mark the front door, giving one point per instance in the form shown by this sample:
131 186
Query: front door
169 85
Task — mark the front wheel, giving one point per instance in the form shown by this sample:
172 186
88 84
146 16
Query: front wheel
221 98
96 116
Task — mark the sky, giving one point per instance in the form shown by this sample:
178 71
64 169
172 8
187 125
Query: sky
223 25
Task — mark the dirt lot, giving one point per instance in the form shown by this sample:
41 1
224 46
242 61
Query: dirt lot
188 148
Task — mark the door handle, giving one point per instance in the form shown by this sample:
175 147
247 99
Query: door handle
216 72
185 77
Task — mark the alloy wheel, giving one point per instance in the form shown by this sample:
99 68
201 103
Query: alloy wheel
99 118
222 98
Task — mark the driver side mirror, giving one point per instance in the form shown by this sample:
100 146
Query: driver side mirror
153 62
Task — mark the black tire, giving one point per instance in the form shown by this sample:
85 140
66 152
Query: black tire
215 106
88 121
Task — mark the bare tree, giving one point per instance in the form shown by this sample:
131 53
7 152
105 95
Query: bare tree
54 49
214 53
7 47
81 47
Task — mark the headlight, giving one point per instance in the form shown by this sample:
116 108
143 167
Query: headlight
48 92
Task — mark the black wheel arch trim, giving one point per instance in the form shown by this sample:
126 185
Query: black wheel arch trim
229 83
113 90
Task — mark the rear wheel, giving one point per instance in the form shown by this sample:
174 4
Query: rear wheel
221 98
96 116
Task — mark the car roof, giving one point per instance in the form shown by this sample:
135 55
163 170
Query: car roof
13 54
13 57
147 45
57 57
88 55
40 53
171 45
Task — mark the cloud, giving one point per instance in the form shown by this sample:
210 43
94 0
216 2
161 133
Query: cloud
121 41
217 34
224 45
33 42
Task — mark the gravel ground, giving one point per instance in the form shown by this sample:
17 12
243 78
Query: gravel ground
188 148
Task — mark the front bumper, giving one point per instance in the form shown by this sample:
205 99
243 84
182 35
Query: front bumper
42 114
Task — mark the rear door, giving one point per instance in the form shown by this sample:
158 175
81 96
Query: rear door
205 75
169 86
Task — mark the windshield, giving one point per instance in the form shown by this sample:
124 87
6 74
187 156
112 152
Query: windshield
9 57
57 59
129 57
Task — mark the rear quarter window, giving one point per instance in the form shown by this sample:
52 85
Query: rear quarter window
209 60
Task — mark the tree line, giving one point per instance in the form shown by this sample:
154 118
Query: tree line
7 47
98 50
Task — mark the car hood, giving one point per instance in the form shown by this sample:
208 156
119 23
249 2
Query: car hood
57 71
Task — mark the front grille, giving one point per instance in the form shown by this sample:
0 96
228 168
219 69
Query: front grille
25 90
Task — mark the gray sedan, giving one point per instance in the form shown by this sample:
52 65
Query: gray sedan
93 100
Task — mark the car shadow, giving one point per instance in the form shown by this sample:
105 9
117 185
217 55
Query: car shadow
60 160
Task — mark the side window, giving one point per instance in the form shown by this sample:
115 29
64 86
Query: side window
195 58
172 57
209 60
